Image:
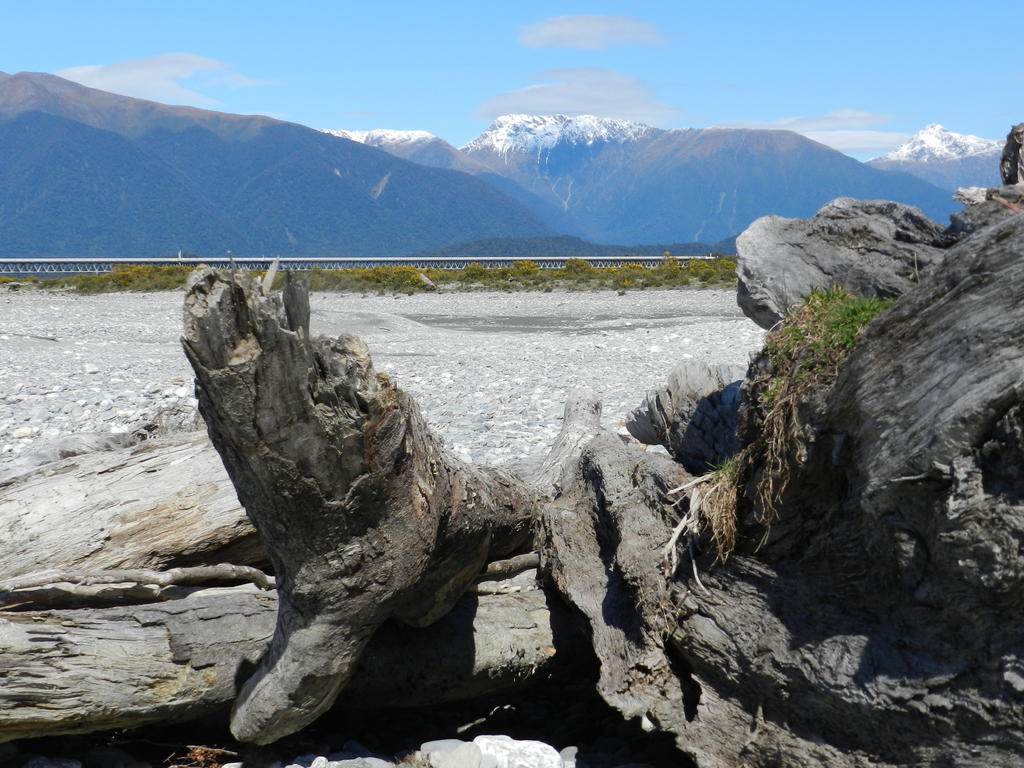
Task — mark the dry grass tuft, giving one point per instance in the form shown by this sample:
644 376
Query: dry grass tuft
805 352
203 757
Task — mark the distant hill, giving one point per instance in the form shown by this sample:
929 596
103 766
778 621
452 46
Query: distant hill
567 247
88 173
945 159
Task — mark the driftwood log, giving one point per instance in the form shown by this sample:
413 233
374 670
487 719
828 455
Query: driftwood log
92 669
159 504
105 655
364 513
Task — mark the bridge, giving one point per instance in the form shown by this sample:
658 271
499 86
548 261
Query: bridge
101 266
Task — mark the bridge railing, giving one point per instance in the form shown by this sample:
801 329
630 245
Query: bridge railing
100 266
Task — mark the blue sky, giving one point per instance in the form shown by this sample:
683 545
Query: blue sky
859 76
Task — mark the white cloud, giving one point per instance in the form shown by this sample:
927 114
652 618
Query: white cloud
587 91
838 120
592 33
159 78
859 143
847 130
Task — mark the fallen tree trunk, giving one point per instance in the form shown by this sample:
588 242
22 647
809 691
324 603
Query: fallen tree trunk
83 670
363 512
160 504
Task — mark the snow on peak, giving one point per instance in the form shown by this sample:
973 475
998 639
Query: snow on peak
382 137
934 143
532 134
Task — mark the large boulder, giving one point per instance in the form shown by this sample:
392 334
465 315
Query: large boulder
872 248
984 207
694 415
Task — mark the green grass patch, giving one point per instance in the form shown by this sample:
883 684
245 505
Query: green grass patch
806 353
819 334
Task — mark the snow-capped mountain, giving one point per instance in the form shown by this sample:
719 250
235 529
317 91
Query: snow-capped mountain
384 138
532 134
933 143
131 177
618 181
946 159
419 146
427 149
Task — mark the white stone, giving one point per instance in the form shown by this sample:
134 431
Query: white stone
463 756
509 753
441 745
970 195
21 433
90 368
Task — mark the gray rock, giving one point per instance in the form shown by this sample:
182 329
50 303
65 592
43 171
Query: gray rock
883 593
439 746
970 195
174 419
870 248
694 415
997 204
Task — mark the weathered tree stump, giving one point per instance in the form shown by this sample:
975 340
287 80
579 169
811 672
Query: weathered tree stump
363 512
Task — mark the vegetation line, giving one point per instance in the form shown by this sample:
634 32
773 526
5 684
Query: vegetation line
576 275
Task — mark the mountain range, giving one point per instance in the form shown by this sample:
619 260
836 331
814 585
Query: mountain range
89 173
945 159
615 181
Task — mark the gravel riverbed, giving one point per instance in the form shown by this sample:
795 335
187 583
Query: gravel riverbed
491 371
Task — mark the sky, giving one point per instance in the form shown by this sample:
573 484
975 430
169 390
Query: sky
859 76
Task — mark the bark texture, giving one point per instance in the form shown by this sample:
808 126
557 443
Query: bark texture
694 415
364 514
93 669
160 504
603 537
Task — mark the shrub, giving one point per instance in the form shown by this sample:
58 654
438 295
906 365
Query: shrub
577 274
